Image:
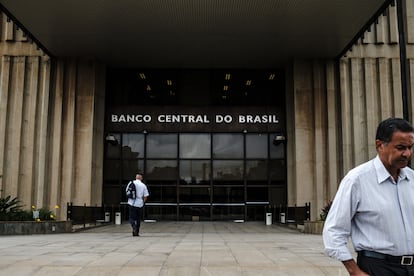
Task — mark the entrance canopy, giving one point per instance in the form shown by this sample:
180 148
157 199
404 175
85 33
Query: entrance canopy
194 33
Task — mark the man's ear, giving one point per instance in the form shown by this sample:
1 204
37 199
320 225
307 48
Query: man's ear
378 144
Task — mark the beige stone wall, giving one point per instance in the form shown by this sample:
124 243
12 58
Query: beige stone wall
51 124
329 139
313 133
76 132
370 78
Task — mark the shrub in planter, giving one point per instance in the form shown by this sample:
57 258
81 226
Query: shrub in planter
9 208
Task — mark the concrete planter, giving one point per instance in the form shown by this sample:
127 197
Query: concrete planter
313 227
32 227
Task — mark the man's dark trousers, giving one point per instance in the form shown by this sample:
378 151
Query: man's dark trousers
135 214
378 267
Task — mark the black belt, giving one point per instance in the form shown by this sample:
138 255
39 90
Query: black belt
402 260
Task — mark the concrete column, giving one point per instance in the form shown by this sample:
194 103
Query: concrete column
68 129
13 128
55 136
304 138
26 182
4 95
41 182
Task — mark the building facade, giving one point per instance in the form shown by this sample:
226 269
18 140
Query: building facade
59 117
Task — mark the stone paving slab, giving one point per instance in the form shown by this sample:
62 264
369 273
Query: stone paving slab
170 248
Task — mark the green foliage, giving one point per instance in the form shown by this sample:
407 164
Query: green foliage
45 214
9 208
20 215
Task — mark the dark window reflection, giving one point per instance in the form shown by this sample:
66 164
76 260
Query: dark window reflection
277 170
112 170
131 167
256 170
161 170
113 145
133 145
194 194
228 195
256 146
227 170
195 145
166 194
195 171
162 146
276 151
258 194
228 145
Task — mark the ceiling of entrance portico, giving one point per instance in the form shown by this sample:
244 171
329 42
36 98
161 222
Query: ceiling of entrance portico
194 33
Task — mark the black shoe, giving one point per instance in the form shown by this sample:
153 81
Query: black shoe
135 232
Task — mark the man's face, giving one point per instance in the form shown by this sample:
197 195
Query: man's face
397 153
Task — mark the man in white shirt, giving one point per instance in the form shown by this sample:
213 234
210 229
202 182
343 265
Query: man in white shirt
374 206
136 204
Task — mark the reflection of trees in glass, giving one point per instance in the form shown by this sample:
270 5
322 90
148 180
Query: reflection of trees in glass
162 170
128 153
194 171
134 143
228 170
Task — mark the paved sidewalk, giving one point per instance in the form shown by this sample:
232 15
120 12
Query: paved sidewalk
170 248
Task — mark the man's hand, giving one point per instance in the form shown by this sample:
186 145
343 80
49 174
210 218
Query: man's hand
353 268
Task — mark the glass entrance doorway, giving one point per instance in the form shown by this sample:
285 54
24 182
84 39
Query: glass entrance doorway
204 141
199 176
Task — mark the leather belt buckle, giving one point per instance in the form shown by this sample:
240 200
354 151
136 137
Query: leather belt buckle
407 260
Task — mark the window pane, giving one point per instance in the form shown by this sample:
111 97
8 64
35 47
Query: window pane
256 146
113 146
195 171
131 167
194 195
227 170
256 170
277 170
162 146
257 194
228 195
195 146
161 170
227 146
112 170
133 145
165 194
276 151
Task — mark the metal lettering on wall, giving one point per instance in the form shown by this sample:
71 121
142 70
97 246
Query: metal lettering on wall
204 119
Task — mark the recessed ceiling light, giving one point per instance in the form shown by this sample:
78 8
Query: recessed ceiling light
272 76
142 76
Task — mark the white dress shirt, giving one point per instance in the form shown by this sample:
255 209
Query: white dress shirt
374 211
142 191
